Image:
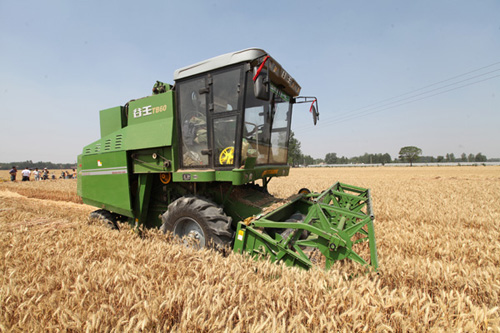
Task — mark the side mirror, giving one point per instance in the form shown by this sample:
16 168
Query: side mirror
315 114
261 85
313 108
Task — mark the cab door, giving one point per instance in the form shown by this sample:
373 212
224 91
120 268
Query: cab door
225 116
192 104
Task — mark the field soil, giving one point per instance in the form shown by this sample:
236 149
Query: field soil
438 241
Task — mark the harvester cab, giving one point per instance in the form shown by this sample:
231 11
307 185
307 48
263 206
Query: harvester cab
195 159
234 111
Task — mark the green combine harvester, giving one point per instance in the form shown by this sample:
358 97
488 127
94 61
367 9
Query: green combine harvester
195 159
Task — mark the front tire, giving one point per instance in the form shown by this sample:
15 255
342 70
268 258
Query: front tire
107 218
199 222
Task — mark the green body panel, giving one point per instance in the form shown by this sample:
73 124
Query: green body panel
151 108
244 176
154 128
103 181
107 166
235 176
199 176
145 136
143 197
79 188
111 120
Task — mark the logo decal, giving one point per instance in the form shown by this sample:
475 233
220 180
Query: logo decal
148 110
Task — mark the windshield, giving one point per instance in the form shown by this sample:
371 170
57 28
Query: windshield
266 127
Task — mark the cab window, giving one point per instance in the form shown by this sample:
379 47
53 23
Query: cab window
226 90
193 120
266 127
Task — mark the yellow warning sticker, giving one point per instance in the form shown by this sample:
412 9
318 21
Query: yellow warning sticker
240 235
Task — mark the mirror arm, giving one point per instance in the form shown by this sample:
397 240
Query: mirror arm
309 99
305 99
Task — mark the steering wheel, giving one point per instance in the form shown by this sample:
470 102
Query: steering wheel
196 114
252 132
227 156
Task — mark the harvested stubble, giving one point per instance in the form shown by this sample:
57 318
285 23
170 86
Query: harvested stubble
57 190
438 244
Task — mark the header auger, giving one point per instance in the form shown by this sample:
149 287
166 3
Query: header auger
195 159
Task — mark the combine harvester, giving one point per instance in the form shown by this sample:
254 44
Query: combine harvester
196 158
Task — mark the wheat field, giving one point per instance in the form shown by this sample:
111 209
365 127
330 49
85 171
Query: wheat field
438 241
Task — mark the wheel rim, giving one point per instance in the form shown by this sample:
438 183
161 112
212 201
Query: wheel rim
190 232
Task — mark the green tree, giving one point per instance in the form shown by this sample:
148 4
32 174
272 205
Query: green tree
294 152
470 158
331 158
426 159
386 158
308 160
410 154
480 158
463 157
450 157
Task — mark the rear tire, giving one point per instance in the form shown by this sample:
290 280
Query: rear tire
107 218
199 221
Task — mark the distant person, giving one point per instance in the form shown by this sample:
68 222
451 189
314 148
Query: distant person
13 174
45 174
26 174
74 174
63 175
36 173
67 175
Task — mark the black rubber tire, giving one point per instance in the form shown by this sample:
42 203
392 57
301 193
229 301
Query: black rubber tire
304 190
213 222
106 217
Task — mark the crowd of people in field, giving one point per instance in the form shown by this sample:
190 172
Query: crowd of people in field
40 174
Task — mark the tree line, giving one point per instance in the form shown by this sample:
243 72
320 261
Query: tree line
40 165
408 154
332 158
296 157
479 157
412 154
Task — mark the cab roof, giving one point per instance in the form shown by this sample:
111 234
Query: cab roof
219 62
279 75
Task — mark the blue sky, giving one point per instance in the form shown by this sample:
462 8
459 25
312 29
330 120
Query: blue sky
374 66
